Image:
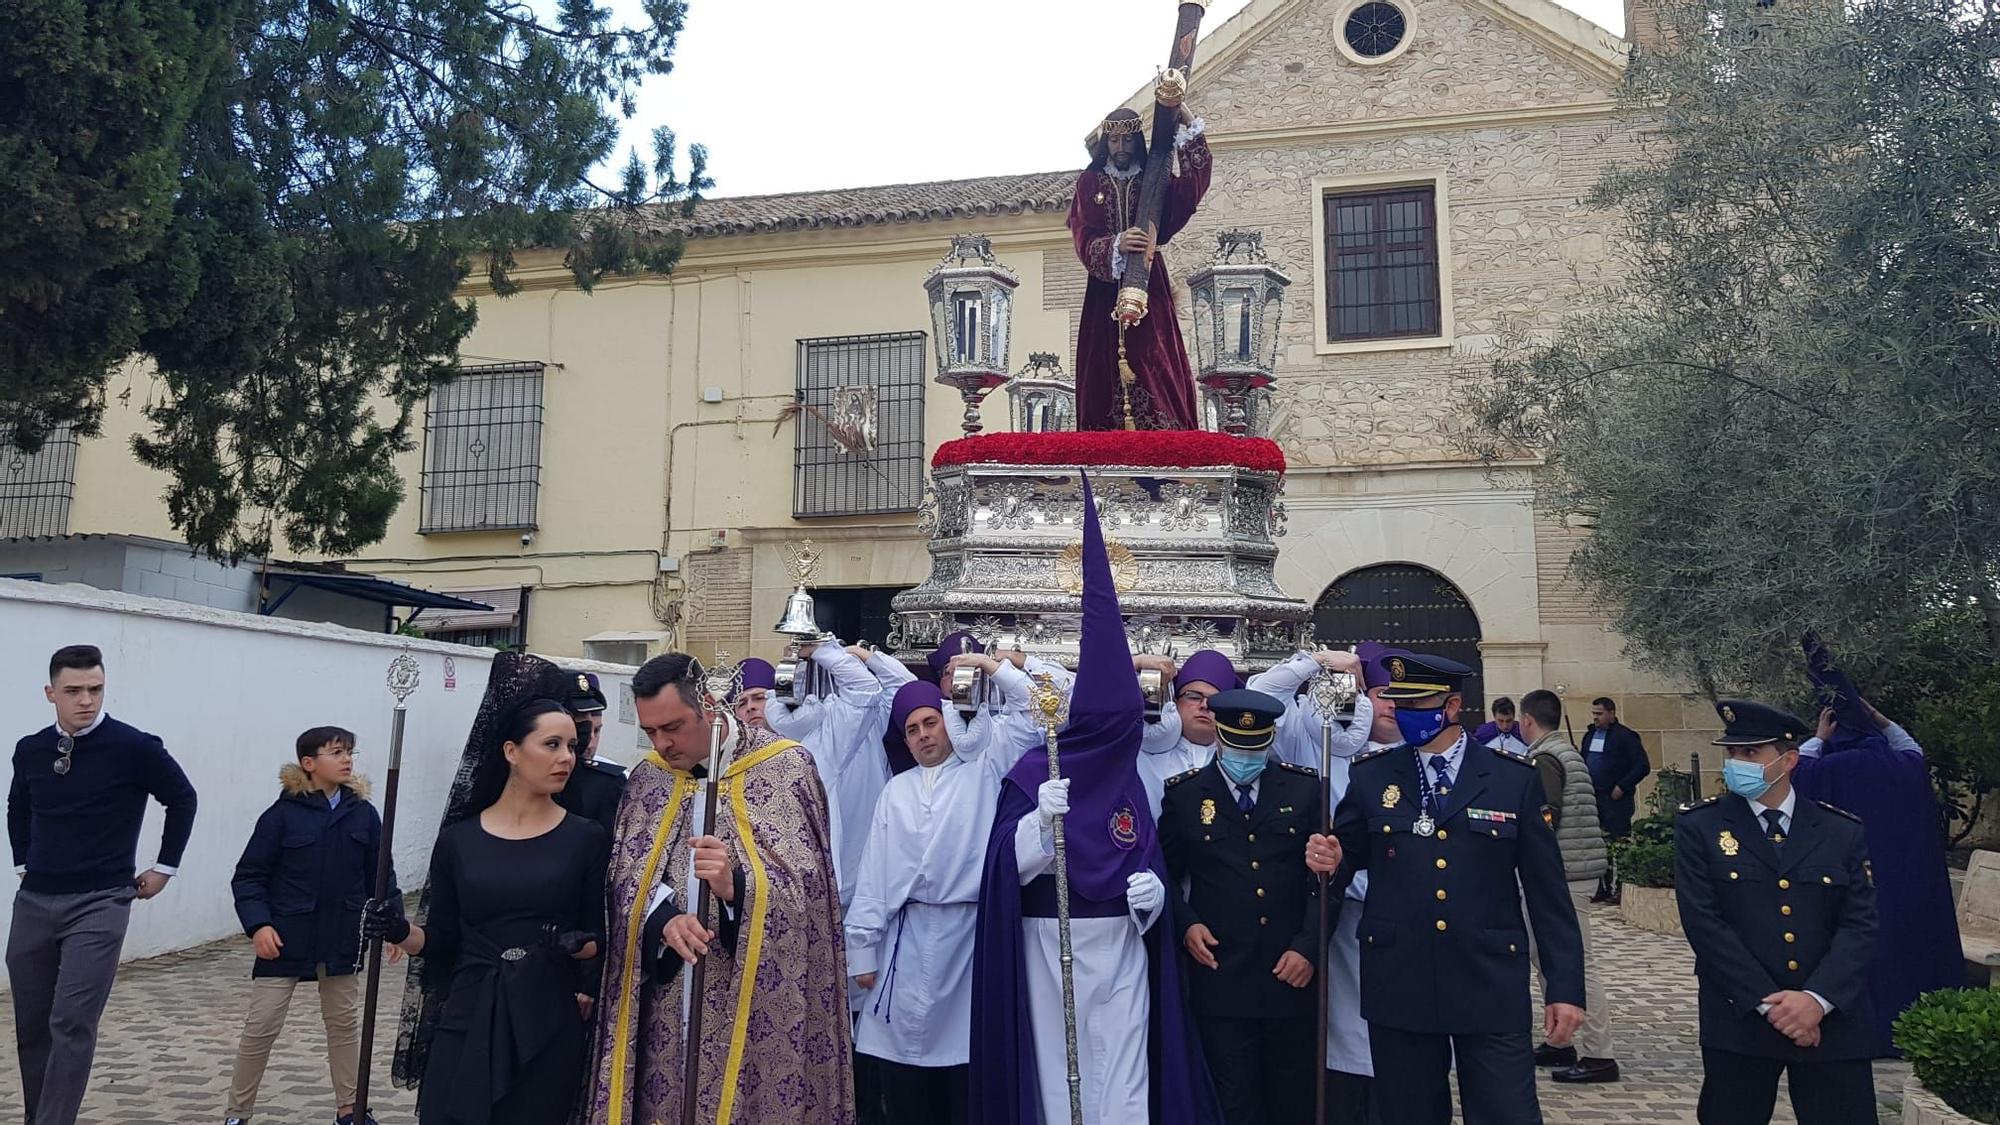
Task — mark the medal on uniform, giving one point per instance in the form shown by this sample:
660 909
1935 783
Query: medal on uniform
1208 811
1727 842
1392 796
1425 826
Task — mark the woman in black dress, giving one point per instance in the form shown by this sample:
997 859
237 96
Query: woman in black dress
510 937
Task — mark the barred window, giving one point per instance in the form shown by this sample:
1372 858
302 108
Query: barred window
1382 265
483 450
36 488
859 448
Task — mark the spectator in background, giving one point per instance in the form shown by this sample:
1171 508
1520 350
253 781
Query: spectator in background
73 817
1501 732
1617 762
1570 807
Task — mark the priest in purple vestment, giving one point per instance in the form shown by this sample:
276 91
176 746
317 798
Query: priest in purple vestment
1871 767
1103 221
1138 1052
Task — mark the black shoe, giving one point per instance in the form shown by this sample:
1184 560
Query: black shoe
1546 1055
1589 1070
1601 896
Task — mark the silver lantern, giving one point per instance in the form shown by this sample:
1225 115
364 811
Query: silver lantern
1041 396
972 304
1238 300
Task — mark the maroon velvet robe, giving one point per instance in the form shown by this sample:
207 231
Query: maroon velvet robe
1164 396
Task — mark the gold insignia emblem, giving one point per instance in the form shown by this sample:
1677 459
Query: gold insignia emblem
1098 199
1392 796
1248 720
582 682
1727 842
1208 811
1728 713
1396 668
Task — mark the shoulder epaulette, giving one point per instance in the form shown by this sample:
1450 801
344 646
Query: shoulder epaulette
1701 804
1839 811
1306 770
1367 754
1180 777
611 768
1514 756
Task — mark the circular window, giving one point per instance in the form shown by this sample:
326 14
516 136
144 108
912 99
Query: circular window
1374 31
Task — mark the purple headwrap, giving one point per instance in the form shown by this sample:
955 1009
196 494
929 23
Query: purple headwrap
1854 727
1375 663
1209 667
951 646
757 674
911 698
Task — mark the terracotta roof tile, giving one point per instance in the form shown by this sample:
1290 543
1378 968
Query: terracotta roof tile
872 206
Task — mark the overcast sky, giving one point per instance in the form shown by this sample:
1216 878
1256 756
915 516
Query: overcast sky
800 95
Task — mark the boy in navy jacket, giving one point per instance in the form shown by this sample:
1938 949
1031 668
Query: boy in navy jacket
307 870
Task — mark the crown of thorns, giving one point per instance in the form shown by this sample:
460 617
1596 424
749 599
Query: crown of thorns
1123 126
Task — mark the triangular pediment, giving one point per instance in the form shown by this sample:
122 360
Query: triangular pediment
1282 64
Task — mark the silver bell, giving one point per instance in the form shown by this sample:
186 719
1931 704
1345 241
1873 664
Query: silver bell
798 620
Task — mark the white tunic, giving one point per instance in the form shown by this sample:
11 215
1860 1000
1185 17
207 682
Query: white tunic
916 900
1163 753
852 767
1113 1002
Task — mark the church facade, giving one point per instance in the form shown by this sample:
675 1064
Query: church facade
621 471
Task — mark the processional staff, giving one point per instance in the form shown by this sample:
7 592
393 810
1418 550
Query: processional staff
404 673
719 685
1053 708
1332 693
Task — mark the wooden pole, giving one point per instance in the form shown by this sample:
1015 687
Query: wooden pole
1131 307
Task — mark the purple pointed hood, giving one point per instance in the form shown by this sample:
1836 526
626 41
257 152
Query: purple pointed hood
758 673
960 641
1207 667
1110 826
1854 726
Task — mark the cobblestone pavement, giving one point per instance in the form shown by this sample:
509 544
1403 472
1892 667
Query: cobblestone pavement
169 1038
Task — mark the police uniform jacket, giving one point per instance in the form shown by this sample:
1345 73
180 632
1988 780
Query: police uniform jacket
1764 919
594 790
1246 880
1443 946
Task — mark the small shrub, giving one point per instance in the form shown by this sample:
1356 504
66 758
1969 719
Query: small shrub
1952 1039
1646 858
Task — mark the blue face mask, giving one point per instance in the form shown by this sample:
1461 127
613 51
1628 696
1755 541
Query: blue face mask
1241 766
1745 779
1419 727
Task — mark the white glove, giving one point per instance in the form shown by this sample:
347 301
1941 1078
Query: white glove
1052 800
1144 892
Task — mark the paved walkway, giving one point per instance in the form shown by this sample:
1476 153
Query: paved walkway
169 1038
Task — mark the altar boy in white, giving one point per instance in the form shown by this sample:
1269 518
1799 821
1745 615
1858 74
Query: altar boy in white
910 929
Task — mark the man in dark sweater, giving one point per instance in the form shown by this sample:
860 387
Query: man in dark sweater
73 816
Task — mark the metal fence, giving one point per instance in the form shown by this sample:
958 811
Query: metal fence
829 479
483 450
36 488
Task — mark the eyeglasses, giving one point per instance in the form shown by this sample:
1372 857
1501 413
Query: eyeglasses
1201 697
65 746
347 752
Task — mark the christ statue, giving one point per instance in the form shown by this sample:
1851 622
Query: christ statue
1103 221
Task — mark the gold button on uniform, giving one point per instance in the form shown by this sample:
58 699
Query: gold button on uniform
1253 865
1443 835
1252 837
1827 879
1260 892
1792 965
1732 874
1440 925
1785 909
1790 937
1441 863
1385 829
1511 948
1784 884
1440 894
1263 921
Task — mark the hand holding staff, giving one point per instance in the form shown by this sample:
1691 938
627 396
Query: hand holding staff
403 676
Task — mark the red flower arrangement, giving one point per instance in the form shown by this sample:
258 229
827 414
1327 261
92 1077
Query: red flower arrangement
1177 449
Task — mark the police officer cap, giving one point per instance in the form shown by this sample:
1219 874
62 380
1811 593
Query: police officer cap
1416 675
1749 723
586 698
1245 720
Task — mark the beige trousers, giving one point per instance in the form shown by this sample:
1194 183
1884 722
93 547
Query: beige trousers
270 999
1593 1041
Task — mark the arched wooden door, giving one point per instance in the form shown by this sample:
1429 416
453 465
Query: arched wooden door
1407 606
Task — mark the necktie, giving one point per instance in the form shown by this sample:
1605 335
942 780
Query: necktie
1244 801
1443 771
1774 827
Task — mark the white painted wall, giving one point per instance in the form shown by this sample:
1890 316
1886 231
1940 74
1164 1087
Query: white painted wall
229 693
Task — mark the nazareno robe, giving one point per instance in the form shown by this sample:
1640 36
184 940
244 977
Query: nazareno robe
1881 777
776 1041
1110 836
1105 206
